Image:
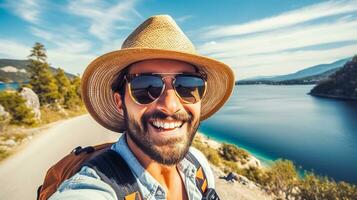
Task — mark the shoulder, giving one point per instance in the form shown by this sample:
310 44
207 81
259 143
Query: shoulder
205 166
86 184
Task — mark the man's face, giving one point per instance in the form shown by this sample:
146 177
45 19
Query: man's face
165 145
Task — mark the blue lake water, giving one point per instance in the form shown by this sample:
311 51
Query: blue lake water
4 86
284 122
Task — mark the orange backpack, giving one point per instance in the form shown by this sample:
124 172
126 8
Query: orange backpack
66 168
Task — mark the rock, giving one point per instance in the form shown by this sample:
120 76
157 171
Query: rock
254 162
32 101
9 143
250 162
231 176
3 114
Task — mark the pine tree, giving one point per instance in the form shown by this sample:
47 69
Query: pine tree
41 79
38 52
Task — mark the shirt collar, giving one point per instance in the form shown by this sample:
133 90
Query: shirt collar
185 167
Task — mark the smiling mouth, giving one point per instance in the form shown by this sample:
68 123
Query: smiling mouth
162 125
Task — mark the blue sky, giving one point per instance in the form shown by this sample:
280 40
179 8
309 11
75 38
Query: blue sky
255 38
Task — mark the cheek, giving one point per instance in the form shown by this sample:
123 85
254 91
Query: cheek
133 109
195 109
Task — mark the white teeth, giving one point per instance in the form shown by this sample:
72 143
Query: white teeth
166 125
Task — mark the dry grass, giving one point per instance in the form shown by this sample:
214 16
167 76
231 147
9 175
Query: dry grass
49 115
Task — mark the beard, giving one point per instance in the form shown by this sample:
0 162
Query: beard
166 151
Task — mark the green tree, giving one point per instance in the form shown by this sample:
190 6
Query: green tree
76 82
42 81
71 99
342 83
38 52
63 83
16 106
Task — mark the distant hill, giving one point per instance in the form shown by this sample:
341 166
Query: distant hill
17 70
310 75
342 84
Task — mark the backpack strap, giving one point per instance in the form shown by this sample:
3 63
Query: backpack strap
201 180
113 170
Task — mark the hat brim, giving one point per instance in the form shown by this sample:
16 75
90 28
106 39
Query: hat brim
99 75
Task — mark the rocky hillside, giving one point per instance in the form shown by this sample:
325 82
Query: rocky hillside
17 70
309 75
342 84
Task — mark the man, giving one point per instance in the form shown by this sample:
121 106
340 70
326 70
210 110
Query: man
156 90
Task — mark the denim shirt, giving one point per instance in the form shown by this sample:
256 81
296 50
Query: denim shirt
86 184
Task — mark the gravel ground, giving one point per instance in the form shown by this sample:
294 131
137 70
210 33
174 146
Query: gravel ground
228 190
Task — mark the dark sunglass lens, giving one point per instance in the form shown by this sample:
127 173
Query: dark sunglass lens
190 88
145 89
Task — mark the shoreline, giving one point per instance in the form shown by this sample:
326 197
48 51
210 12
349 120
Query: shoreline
264 160
333 97
215 144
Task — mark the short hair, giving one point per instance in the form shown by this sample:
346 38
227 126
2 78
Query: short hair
118 84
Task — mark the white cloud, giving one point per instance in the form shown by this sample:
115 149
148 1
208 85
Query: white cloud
283 44
69 61
28 10
70 40
74 63
184 18
14 50
290 38
329 8
104 17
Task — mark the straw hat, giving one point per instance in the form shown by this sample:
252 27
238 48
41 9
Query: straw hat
157 37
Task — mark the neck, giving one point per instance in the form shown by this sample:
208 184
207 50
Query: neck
162 173
167 175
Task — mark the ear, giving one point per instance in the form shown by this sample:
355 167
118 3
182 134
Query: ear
118 101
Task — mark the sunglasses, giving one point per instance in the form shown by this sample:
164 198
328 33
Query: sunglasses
146 88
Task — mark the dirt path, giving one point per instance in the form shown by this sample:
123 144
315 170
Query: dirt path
23 172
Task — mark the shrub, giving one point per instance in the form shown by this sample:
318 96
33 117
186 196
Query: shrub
15 105
315 187
232 153
282 178
211 154
255 174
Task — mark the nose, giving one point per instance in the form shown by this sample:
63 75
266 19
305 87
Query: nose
168 102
